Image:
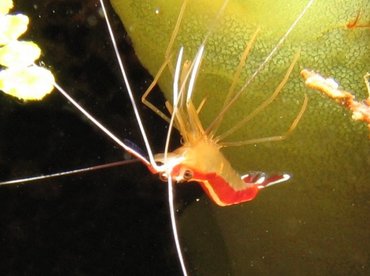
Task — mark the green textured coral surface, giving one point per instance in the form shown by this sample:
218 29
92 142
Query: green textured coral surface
324 210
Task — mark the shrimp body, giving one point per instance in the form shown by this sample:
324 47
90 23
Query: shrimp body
203 162
199 158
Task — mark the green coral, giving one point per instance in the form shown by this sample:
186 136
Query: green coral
328 150
326 45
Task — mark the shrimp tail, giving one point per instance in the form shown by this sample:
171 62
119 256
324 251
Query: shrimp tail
262 180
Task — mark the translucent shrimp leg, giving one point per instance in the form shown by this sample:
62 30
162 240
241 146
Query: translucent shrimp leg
262 106
272 138
168 56
216 124
268 58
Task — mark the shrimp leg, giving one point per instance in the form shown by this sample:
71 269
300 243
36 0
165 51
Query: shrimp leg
167 58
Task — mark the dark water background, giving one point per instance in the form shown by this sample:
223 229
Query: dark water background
114 221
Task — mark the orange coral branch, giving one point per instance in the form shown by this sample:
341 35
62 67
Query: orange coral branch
328 86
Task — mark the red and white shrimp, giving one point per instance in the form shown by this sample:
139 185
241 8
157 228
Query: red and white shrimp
199 158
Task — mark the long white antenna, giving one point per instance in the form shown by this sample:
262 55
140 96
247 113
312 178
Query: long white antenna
129 91
176 100
194 73
143 133
177 77
76 171
174 226
101 126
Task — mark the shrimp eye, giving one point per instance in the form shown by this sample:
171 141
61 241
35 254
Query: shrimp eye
188 174
163 177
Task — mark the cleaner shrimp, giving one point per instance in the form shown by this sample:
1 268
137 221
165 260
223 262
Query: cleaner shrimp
223 185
